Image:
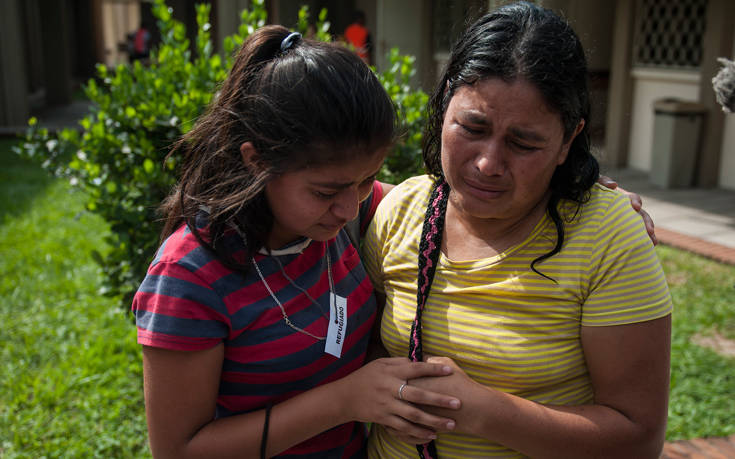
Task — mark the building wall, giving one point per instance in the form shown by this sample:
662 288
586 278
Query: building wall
399 24
119 18
727 163
727 166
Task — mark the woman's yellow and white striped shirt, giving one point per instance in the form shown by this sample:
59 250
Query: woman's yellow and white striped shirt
504 324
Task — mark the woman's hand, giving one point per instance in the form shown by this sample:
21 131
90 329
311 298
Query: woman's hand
378 392
635 201
457 384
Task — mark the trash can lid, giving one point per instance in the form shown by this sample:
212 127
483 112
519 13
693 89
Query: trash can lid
675 106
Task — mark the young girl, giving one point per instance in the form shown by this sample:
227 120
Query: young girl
256 312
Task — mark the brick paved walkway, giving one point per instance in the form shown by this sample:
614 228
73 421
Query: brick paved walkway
701 448
696 245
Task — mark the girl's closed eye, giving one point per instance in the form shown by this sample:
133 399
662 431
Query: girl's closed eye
326 195
369 180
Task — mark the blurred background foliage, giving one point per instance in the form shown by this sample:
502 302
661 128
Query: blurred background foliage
139 111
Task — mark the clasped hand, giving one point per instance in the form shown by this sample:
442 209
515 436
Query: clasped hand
375 394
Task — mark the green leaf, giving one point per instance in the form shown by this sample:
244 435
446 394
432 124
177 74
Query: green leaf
148 166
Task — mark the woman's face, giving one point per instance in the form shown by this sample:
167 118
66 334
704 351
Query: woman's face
316 202
500 146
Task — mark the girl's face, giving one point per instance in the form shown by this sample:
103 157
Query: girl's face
318 201
500 146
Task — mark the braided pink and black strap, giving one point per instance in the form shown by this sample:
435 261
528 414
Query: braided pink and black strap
429 249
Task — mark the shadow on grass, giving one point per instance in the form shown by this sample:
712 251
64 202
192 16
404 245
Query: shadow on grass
20 180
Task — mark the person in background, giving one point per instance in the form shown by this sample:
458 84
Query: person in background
139 44
509 263
358 35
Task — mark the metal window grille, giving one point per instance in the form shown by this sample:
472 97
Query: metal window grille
669 33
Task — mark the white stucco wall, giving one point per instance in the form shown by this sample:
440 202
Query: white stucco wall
650 85
398 24
727 160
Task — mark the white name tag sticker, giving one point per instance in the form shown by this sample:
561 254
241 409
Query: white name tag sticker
337 325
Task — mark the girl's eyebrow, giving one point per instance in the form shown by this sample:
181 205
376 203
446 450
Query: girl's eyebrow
341 185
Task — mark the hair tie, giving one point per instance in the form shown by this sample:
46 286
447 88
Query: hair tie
290 41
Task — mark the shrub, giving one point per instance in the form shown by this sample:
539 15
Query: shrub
138 111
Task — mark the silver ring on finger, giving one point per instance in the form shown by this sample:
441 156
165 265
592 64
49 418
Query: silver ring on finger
400 390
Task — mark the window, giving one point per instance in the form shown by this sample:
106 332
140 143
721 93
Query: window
669 33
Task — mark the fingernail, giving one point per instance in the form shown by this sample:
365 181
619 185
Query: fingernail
450 425
446 369
454 403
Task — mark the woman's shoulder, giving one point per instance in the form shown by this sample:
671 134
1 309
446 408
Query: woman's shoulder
608 201
599 202
411 190
602 210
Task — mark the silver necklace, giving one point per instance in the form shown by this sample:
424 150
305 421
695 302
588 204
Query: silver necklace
280 305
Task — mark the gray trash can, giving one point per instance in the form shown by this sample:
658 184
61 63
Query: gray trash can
677 128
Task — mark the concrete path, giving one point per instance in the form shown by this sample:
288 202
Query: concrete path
699 220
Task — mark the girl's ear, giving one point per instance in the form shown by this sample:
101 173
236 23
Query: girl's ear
249 154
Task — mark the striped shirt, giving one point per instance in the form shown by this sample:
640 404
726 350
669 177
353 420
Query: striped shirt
189 301
502 323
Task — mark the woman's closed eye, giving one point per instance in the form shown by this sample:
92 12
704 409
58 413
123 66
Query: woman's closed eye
524 147
470 129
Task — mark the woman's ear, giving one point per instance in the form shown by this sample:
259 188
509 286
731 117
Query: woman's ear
248 153
565 148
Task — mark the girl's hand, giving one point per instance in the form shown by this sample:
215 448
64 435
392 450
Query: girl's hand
635 201
371 394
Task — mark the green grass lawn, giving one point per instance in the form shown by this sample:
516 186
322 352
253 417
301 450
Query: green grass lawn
702 401
70 370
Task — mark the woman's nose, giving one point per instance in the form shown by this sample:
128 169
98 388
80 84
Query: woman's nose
490 160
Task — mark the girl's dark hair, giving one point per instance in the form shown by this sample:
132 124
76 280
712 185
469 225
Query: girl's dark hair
313 103
525 41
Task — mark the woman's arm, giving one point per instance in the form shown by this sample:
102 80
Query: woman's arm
629 371
181 392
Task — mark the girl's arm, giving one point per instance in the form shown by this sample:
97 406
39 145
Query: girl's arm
629 371
181 393
635 202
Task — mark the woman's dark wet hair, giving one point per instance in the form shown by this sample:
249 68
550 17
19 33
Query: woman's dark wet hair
312 103
525 41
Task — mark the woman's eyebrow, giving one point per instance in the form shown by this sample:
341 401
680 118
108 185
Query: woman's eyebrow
471 116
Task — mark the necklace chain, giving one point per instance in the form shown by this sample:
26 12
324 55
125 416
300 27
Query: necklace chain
301 289
280 305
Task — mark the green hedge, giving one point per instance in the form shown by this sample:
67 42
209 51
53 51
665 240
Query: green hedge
137 111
